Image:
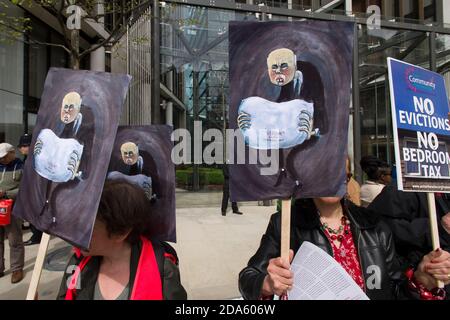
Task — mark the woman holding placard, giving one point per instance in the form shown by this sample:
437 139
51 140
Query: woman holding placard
357 240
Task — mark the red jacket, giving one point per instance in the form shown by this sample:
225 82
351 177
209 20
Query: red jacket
147 275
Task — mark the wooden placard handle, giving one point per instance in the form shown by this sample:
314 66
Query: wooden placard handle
37 271
434 227
285 228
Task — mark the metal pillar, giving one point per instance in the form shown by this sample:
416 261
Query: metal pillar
356 108
156 69
26 84
432 47
169 106
196 101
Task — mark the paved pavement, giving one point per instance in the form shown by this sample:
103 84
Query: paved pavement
212 249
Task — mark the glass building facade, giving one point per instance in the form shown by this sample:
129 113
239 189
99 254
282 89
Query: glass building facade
194 58
189 43
24 65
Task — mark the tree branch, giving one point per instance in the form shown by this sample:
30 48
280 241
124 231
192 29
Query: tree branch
115 31
32 41
101 43
12 27
120 10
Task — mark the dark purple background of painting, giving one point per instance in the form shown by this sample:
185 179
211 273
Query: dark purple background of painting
74 204
155 142
319 163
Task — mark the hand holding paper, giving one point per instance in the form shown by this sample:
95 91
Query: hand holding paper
317 276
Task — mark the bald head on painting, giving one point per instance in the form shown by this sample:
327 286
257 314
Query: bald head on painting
70 108
130 153
281 65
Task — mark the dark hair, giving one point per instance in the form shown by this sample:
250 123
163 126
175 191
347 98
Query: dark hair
124 207
374 167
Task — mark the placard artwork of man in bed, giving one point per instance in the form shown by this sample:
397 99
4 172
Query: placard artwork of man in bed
57 155
142 156
286 124
134 170
74 134
290 97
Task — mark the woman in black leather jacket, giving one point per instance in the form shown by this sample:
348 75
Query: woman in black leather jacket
334 225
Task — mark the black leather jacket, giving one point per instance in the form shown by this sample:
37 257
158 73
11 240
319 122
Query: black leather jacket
373 241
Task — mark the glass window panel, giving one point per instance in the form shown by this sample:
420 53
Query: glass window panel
38 61
11 86
375 46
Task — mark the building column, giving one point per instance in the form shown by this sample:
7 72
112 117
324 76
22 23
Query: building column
97 57
388 8
169 113
446 11
315 4
349 7
183 119
98 60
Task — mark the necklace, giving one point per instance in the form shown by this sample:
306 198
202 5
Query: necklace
337 234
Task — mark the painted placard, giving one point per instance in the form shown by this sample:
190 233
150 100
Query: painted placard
142 156
69 155
290 85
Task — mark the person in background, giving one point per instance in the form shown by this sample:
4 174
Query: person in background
226 193
353 188
24 148
124 261
379 174
11 173
24 145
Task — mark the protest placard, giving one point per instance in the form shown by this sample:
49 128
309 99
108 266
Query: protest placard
290 98
142 156
420 116
69 155
420 121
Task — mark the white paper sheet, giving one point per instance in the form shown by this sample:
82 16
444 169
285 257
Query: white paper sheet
317 276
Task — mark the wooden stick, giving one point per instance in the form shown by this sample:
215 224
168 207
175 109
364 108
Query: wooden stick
285 228
35 278
434 227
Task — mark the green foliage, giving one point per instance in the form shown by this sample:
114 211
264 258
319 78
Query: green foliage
12 28
207 176
170 14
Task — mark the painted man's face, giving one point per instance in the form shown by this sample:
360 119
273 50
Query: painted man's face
70 107
281 64
130 153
